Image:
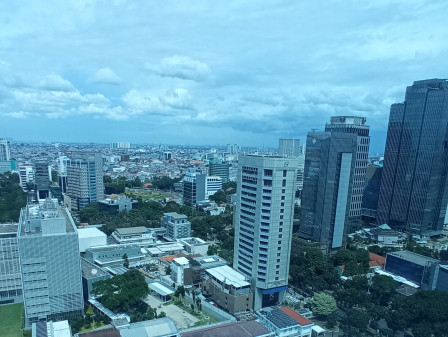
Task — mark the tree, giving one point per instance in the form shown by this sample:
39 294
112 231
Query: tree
121 291
212 250
357 318
219 197
126 261
382 289
12 197
323 304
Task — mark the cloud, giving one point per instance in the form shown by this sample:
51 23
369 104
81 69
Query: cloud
54 82
181 67
105 76
177 99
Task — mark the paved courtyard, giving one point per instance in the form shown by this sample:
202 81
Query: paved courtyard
182 319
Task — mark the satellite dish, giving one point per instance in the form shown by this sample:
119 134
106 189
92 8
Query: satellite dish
94 271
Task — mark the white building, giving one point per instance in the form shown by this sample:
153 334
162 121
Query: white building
195 245
178 266
177 225
285 322
289 147
213 184
263 224
91 237
27 175
5 150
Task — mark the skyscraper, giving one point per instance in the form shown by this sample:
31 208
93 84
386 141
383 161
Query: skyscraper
263 224
220 169
42 179
413 193
50 263
356 125
5 150
289 147
85 179
329 168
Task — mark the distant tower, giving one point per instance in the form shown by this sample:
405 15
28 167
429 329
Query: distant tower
263 224
414 190
85 178
5 150
220 169
42 179
289 147
50 263
354 125
329 168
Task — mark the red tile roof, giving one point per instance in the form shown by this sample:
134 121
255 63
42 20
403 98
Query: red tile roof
376 260
296 316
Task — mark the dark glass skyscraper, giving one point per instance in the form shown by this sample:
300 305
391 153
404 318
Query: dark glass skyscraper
330 163
413 193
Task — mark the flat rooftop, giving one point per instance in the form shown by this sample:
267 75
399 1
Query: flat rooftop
90 232
131 230
153 328
227 275
235 329
90 270
8 228
175 215
413 257
108 248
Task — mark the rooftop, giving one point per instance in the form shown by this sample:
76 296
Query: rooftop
175 215
111 332
131 230
90 270
8 228
153 328
88 232
161 288
235 329
284 317
112 247
181 260
413 257
227 275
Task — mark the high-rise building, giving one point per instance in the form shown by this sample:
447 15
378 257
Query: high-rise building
120 146
220 169
289 147
354 125
5 150
85 179
62 172
189 187
27 175
263 224
42 179
414 190
300 171
212 185
330 162
50 263
10 279
233 148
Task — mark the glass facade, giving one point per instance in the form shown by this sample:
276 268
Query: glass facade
413 193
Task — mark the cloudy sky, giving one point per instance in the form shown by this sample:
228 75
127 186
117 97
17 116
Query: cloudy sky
210 72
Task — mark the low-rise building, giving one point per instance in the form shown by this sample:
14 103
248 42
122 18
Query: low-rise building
195 245
177 225
246 329
117 204
285 322
112 255
134 235
91 273
178 268
382 235
51 329
90 237
228 288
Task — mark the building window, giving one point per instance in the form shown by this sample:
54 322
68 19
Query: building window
283 191
282 204
284 173
268 173
284 182
283 197
267 182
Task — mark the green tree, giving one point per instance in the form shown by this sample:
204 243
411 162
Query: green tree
125 261
357 318
212 250
323 304
383 288
219 197
12 197
121 291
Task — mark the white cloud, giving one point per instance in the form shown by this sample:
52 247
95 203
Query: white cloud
181 67
105 76
54 82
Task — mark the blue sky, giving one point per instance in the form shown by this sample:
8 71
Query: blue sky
210 72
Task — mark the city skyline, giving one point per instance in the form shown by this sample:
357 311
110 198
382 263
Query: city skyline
219 73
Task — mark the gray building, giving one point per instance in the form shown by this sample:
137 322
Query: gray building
289 147
112 255
354 125
5 150
414 191
42 179
329 167
85 179
220 169
91 273
10 280
193 188
263 224
117 205
50 263
177 225
371 194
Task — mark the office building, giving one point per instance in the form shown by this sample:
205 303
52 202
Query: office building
354 125
112 255
5 150
228 288
90 237
289 147
50 263
42 178
62 172
263 224
167 155
26 174
235 148
10 279
300 171
329 168
371 194
220 169
193 187
213 184
85 179
177 225
414 193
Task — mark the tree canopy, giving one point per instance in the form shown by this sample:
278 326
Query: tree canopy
122 292
12 197
323 304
